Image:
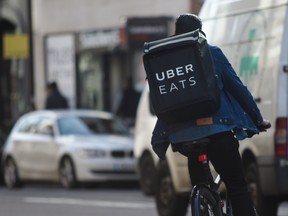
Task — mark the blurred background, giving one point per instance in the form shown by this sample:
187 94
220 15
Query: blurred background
92 49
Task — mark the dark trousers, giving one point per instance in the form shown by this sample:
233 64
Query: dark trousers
223 153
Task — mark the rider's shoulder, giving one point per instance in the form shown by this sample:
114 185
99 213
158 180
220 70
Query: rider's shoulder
218 54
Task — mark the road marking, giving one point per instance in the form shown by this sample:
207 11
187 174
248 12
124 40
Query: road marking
81 202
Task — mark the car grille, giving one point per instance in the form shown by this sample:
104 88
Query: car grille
122 154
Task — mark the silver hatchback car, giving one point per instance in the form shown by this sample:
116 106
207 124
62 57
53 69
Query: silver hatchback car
69 147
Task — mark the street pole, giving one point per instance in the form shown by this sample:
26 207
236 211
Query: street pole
31 54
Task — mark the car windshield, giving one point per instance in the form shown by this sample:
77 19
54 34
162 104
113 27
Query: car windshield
105 126
73 126
91 125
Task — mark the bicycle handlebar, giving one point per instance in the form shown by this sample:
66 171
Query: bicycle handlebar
263 128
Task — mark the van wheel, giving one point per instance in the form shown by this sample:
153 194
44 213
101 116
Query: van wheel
67 173
168 202
266 205
11 177
147 173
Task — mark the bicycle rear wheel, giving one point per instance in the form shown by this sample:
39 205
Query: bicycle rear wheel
203 203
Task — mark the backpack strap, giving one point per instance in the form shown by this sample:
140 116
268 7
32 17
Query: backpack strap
173 41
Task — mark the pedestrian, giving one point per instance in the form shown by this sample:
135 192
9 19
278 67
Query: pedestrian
128 104
54 99
238 111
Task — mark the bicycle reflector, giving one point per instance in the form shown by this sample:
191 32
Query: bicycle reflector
202 157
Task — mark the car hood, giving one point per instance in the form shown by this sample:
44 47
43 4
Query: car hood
99 141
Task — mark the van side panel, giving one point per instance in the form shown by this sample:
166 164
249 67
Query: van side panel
227 7
251 41
253 35
282 108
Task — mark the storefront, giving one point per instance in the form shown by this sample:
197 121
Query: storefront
109 60
101 61
87 66
93 68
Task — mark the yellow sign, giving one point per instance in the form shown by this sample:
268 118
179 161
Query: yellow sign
15 46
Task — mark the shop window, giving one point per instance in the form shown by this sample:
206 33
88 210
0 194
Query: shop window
90 81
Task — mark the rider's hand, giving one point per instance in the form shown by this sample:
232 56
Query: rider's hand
264 125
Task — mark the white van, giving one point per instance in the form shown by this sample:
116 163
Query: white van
253 34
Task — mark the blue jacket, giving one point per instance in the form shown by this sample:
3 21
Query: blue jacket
238 112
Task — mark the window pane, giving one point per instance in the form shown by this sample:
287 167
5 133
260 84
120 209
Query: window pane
105 126
29 125
90 81
72 126
45 126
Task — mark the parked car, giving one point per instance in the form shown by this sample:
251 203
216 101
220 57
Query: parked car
70 147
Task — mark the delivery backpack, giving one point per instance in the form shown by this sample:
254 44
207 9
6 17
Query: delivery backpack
181 77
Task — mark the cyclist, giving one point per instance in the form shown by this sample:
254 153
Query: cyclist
238 111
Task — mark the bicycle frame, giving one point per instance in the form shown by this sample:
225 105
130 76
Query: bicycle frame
211 190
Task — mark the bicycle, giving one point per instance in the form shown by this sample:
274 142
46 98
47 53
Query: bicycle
206 199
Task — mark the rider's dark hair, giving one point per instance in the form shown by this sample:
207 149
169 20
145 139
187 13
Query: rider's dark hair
187 22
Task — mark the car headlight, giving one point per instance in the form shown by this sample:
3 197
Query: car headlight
90 153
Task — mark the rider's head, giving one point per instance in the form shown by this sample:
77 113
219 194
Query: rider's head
186 23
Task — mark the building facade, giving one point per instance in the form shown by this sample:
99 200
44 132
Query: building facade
90 47
16 70
104 57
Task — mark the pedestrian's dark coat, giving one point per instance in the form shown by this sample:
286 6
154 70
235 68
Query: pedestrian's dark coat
55 100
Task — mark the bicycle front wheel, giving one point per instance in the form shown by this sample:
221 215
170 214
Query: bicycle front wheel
203 203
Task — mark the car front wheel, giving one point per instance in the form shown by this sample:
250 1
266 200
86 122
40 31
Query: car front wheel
67 173
11 177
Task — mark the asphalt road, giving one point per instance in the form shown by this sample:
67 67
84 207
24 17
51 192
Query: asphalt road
104 200
50 200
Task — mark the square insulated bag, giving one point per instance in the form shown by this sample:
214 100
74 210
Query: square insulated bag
181 77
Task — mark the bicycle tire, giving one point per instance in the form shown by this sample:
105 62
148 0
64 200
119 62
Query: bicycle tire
203 203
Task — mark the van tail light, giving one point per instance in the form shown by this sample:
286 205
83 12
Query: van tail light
280 137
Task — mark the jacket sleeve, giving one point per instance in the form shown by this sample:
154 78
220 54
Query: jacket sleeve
160 141
238 90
